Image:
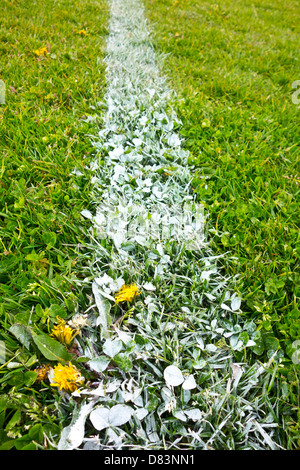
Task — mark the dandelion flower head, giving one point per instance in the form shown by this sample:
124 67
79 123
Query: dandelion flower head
127 293
42 372
42 51
78 322
63 332
66 378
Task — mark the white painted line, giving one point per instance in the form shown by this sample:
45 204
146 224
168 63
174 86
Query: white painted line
144 202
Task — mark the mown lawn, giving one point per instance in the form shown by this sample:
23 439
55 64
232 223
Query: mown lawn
233 65
51 64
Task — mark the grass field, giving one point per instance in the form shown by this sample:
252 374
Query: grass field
232 66
54 76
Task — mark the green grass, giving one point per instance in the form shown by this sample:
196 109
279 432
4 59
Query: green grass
43 138
233 77
232 65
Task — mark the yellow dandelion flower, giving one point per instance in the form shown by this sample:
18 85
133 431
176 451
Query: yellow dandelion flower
63 332
42 372
81 32
66 378
42 51
127 293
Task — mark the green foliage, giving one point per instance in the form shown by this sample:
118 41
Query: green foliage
43 158
232 65
233 76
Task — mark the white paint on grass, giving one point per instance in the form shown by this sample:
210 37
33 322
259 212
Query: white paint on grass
140 143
